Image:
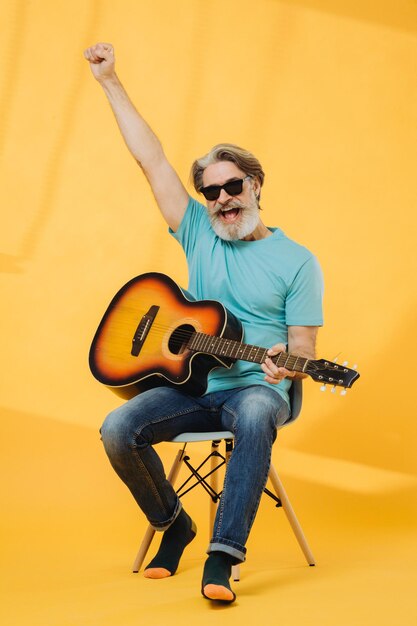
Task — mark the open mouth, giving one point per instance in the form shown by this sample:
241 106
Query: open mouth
230 214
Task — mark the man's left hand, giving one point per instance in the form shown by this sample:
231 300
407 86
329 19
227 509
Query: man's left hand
274 374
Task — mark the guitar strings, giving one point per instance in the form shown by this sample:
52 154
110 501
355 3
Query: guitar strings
177 332
180 336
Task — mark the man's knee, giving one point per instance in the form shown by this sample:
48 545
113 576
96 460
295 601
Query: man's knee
258 411
113 433
122 432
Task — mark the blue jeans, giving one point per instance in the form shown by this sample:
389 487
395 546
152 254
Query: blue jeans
251 413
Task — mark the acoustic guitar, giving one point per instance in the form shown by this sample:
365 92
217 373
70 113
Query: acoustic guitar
154 334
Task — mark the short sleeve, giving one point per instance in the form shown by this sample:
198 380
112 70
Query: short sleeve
194 221
304 301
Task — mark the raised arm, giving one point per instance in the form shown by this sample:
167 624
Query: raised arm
170 194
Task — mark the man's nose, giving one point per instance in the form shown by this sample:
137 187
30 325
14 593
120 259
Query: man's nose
224 197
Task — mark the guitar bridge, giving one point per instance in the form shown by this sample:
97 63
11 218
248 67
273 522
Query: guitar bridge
143 329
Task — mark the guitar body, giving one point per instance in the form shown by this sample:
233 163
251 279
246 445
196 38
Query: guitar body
130 355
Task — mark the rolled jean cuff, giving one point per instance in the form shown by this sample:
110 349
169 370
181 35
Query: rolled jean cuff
230 548
161 526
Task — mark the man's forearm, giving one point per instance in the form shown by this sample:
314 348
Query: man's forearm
302 342
142 142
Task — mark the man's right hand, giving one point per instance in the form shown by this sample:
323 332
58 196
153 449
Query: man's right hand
101 59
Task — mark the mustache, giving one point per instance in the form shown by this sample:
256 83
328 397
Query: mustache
233 204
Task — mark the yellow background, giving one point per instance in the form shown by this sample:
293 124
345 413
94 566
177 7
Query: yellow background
324 93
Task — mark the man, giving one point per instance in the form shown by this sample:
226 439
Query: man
271 284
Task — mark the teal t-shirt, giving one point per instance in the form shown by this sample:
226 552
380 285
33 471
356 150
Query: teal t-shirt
268 284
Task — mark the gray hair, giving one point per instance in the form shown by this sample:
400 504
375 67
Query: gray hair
244 160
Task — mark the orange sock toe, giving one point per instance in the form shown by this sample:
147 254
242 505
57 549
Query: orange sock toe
218 592
217 571
156 572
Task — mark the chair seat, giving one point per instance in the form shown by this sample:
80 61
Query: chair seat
208 436
296 394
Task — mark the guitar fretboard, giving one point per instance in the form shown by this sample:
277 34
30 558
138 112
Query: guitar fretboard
229 348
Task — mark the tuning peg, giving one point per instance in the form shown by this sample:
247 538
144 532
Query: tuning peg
343 392
355 367
323 388
333 389
345 363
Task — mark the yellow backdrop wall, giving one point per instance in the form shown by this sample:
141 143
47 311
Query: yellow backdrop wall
326 100
324 93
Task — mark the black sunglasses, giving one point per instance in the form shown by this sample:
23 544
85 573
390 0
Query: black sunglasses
232 188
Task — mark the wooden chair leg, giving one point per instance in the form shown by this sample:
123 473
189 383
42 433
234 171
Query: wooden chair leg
144 547
236 573
289 511
147 540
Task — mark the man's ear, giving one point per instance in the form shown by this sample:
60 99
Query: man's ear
257 188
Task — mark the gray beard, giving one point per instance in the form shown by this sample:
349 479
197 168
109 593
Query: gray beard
246 224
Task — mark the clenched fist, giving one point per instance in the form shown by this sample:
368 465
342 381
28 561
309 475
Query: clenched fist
101 59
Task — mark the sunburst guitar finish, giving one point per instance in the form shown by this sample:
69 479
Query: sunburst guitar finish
142 339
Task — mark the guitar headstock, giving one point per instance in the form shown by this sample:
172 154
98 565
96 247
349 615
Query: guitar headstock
326 372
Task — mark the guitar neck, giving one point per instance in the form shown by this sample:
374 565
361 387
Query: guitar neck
229 348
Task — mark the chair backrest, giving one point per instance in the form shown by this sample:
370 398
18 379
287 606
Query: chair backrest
296 398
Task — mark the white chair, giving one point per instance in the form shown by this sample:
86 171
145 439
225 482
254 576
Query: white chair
209 481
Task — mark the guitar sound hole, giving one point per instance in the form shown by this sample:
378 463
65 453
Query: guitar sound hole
178 341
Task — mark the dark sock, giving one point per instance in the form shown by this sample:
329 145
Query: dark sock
174 541
217 571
